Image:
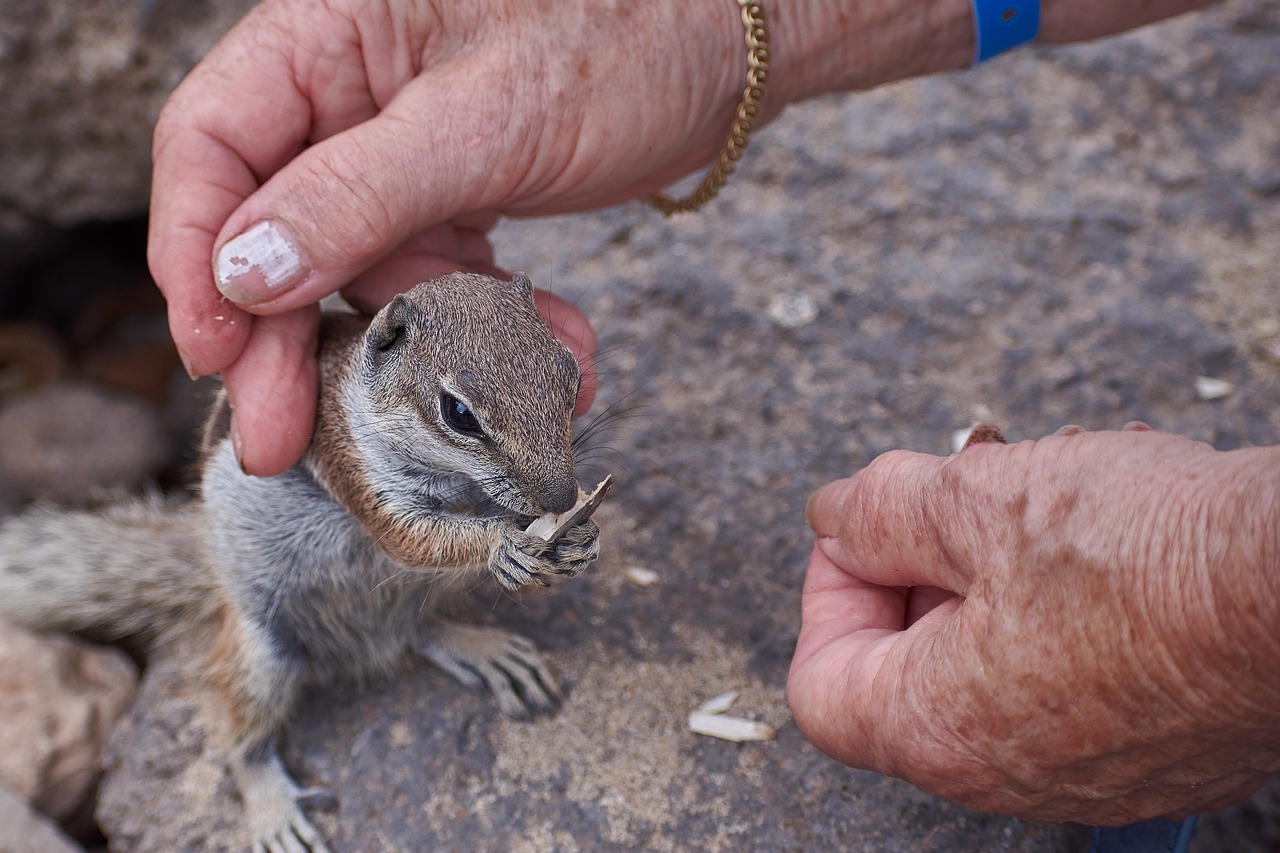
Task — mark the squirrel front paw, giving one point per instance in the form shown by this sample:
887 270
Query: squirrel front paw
522 559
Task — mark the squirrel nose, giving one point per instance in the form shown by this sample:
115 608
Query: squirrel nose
559 495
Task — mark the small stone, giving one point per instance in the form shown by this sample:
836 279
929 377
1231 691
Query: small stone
23 830
792 310
399 735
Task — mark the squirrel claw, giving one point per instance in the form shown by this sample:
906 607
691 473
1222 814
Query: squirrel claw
514 566
294 834
273 805
319 799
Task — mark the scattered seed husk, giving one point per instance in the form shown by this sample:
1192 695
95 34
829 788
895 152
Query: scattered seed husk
720 704
1210 388
640 576
710 719
724 727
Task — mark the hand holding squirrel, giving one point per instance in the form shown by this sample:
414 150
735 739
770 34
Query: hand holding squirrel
285 159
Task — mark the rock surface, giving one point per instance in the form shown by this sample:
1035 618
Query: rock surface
23 830
83 83
72 442
884 269
165 786
60 700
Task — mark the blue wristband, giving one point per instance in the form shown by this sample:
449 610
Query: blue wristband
1001 25
1151 836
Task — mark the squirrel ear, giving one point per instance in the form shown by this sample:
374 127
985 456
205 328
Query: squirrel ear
391 323
523 285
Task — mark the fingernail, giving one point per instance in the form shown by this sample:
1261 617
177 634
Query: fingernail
808 508
984 434
186 364
835 551
260 264
237 447
811 505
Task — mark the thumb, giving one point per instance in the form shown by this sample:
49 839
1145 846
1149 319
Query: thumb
859 681
342 204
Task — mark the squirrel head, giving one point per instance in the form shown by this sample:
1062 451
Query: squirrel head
462 376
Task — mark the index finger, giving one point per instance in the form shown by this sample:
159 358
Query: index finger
237 118
196 183
891 524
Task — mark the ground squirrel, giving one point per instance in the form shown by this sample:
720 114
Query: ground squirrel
443 428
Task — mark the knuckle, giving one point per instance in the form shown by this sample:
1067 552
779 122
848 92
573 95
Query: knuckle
333 180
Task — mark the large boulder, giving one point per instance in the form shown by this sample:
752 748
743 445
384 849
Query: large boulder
60 699
70 443
83 82
24 830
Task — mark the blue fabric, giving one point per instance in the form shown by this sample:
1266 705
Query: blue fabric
1150 836
1001 25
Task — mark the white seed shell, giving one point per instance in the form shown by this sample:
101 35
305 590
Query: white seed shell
640 576
720 704
729 728
1209 388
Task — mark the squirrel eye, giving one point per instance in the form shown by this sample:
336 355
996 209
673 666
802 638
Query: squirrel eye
458 416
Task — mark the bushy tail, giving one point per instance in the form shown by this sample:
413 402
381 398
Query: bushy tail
125 570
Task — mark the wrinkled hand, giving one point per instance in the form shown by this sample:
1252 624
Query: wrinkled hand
1078 628
366 147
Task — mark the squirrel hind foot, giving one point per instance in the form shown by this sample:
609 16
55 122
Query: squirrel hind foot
273 805
507 664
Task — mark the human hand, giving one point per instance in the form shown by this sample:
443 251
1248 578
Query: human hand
366 147
1078 628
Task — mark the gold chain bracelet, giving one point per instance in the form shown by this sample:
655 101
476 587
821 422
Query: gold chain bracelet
743 123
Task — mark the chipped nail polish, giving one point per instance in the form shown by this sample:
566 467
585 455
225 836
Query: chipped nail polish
259 264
